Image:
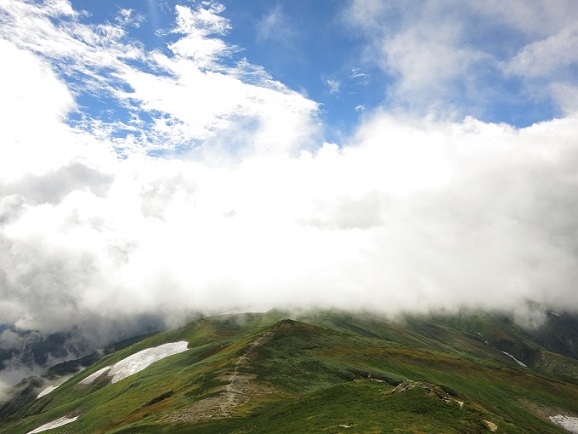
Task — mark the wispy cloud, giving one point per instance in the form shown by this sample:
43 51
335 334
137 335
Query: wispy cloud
129 17
276 26
439 54
333 86
183 96
358 75
544 57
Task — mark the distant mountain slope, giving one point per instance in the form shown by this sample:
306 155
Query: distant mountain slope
327 372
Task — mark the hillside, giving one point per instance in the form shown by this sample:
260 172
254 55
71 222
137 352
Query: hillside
323 372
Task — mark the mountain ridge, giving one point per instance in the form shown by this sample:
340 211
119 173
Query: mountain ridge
327 372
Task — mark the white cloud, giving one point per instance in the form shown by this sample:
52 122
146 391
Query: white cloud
358 75
546 56
205 20
427 59
440 56
34 105
276 26
190 93
333 85
231 107
79 48
566 95
208 104
366 14
534 18
412 215
198 27
420 45
59 7
129 17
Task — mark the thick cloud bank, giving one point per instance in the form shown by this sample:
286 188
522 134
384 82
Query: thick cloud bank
410 213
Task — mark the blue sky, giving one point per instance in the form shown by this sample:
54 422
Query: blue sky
305 45
159 158
352 57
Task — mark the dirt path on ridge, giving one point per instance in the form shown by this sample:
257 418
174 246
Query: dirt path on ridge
238 391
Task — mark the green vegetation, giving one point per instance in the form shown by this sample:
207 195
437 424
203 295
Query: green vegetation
329 372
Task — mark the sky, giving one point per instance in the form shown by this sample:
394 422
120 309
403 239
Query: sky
169 157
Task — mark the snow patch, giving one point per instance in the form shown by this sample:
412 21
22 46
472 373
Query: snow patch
516 360
46 391
55 385
92 377
569 423
54 424
139 361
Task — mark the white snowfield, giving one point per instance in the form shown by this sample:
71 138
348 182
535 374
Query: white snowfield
54 424
92 377
55 385
137 362
46 391
569 423
516 360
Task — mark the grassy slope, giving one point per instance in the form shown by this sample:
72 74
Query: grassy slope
330 372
